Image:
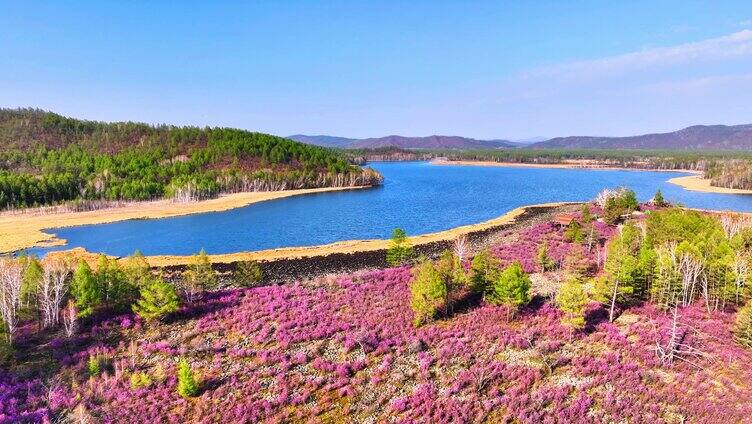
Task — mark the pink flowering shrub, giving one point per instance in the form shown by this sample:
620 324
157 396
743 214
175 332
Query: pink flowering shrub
345 349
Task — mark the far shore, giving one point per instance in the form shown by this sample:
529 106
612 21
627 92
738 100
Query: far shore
569 164
694 182
26 229
341 247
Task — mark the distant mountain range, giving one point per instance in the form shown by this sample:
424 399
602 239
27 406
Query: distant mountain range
697 137
430 142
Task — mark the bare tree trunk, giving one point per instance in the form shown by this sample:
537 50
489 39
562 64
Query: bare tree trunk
613 301
10 295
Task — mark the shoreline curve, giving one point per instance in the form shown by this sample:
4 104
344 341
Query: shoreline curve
27 229
340 247
698 183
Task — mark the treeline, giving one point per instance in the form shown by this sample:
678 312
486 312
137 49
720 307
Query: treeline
46 159
387 154
734 173
59 294
644 159
724 169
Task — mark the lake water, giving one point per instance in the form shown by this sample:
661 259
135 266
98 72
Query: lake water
417 196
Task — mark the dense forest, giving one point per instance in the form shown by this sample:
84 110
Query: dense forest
46 158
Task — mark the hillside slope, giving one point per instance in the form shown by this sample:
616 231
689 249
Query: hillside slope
429 142
46 158
324 140
698 137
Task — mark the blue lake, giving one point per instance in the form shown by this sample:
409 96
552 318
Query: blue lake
417 196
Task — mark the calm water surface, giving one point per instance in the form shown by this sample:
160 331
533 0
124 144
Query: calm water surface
417 196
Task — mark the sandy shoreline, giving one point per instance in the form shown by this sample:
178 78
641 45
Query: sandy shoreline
697 183
341 247
689 182
24 230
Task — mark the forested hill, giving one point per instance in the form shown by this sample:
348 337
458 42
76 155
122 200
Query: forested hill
698 137
397 141
46 158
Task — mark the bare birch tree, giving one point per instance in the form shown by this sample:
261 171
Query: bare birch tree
70 314
461 248
740 266
734 223
52 290
11 276
691 269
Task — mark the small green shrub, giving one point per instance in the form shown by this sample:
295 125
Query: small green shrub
247 274
428 292
400 251
158 299
484 269
574 233
743 327
544 261
94 365
572 300
140 379
187 385
511 288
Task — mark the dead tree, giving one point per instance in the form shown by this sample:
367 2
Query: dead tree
10 295
70 313
52 290
734 223
740 265
461 248
667 352
691 270
676 347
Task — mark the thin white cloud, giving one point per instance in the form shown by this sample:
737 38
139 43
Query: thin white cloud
651 90
736 45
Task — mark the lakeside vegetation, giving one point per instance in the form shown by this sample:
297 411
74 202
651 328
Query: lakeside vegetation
729 169
47 159
592 320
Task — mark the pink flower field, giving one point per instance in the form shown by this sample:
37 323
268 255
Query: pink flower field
343 349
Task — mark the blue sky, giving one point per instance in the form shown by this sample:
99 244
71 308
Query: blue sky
482 69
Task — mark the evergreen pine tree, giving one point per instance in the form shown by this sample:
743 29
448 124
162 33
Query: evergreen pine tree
400 251
428 292
572 300
86 290
158 299
201 275
511 288
743 327
658 199
137 270
484 269
32 277
187 386
545 261
247 274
